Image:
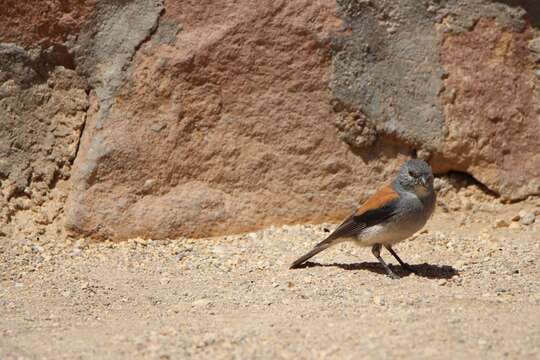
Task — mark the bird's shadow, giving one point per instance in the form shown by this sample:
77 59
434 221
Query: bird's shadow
424 270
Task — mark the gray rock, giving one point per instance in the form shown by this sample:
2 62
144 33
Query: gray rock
534 45
527 219
380 64
501 223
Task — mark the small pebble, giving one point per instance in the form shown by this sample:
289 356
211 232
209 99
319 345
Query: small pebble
467 205
379 300
501 223
76 252
201 303
514 225
527 219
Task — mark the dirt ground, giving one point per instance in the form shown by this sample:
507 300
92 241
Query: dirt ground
476 294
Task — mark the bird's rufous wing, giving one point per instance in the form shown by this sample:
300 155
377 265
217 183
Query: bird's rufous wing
381 199
375 210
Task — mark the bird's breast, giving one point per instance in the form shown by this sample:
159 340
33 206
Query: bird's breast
411 215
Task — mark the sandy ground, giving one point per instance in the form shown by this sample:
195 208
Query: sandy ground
476 295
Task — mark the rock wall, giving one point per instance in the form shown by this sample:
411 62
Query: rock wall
203 118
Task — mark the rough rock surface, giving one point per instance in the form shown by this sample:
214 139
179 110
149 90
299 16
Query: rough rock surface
42 108
492 109
225 129
210 117
43 23
455 80
386 67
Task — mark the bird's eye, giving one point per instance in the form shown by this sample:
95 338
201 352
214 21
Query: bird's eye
412 173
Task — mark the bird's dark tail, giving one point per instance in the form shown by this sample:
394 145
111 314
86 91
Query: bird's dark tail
317 249
332 239
323 245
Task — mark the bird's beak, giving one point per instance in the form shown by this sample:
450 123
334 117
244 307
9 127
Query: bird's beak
424 181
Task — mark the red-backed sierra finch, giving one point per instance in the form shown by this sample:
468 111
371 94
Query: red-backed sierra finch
391 215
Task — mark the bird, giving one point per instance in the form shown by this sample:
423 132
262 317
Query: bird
394 213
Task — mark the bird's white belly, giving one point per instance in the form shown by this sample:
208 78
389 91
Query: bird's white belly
383 234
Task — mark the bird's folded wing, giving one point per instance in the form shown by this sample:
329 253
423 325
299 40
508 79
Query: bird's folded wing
377 209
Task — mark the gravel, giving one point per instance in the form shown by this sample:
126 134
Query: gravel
476 294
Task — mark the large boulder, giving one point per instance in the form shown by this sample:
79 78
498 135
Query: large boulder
223 125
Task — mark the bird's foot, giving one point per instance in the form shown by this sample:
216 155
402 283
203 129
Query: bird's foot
392 275
408 268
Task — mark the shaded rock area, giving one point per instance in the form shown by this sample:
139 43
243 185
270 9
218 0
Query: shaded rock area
387 67
207 117
43 109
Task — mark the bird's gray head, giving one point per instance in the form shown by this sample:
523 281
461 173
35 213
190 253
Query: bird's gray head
416 176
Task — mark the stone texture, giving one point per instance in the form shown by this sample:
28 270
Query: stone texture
492 109
43 23
227 129
387 68
42 110
441 78
105 49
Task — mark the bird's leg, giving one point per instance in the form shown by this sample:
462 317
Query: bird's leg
376 250
404 265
